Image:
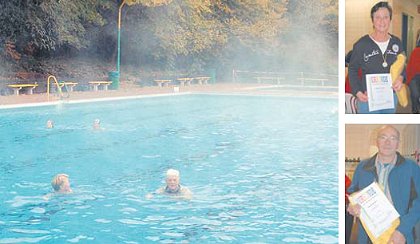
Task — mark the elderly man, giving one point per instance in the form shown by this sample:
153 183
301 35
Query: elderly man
398 177
173 187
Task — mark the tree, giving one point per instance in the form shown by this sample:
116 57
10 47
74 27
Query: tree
193 34
41 26
312 40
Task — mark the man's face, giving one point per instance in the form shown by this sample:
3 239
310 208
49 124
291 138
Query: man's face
387 142
172 182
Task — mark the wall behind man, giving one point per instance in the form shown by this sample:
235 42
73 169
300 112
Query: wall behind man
410 139
361 139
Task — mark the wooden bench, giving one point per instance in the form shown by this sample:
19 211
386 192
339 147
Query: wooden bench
162 83
277 79
69 84
184 81
96 84
203 80
17 87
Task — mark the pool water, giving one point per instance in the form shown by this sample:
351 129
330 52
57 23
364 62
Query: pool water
263 169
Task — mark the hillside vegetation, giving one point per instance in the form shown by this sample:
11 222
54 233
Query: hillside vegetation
78 38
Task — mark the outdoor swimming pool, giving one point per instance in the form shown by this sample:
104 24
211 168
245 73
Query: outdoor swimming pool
263 169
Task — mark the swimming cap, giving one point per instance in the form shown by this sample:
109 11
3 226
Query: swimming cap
172 172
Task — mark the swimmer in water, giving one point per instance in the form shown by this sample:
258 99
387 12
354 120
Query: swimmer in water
96 124
61 184
50 124
173 187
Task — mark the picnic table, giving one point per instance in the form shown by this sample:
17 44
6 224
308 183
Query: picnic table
277 79
203 80
185 80
17 87
69 84
96 84
161 83
322 80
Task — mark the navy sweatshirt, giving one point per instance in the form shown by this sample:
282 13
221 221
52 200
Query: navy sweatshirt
368 56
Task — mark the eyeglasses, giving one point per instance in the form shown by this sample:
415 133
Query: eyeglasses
391 138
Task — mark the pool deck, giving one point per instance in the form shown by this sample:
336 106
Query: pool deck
132 90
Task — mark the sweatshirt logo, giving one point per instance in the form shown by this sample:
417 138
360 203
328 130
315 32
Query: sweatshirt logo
395 48
391 52
367 56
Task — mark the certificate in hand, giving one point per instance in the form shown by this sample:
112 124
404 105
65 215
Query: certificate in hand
378 216
379 91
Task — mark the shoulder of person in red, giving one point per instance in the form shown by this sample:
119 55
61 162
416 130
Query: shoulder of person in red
348 183
413 65
347 85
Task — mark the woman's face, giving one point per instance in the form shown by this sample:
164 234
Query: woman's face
381 20
65 185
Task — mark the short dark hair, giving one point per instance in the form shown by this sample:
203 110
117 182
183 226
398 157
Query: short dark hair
381 5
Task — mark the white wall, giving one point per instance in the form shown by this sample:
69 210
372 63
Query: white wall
407 7
361 139
358 22
410 140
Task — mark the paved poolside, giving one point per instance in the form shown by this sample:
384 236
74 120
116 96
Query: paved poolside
132 90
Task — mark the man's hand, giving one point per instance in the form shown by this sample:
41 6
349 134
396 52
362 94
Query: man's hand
354 209
397 238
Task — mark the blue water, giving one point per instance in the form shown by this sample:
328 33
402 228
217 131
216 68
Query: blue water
262 170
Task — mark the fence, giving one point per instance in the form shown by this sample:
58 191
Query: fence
286 79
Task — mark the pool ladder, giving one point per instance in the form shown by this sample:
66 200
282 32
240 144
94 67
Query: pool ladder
60 92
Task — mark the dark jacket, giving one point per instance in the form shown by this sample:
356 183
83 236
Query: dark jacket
368 56
404 185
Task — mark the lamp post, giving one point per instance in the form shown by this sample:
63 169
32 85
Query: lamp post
128 2
115 76
119 37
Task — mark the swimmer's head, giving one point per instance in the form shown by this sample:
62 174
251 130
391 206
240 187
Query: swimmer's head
96 124
172 172
50 124
172 179
60 183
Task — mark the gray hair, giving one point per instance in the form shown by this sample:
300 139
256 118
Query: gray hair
172 172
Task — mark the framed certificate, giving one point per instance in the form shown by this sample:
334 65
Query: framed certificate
379 91
378 216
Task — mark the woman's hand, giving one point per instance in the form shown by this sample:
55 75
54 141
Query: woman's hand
398 83
362 96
